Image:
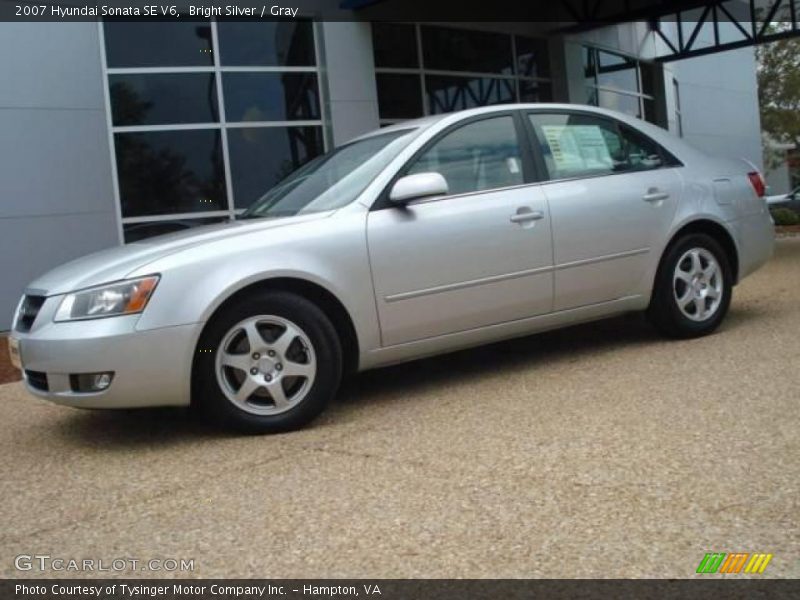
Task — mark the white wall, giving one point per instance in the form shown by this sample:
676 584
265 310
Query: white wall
718 92
719 104
349 75
56 195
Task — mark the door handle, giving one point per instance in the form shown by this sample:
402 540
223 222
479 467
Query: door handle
528 215
655 195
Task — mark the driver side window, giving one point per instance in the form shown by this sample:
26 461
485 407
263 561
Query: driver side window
481 155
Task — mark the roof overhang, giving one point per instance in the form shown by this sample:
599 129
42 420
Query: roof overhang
683 28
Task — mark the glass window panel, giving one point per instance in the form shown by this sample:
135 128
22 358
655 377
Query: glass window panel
589 65
535 91
399 96
162 172
271 96
652 75
481 155
580 145
395 45
448 94
331 180
650 114
591 96
576 145
616 71
461 50
619 102
533 59
158 43
266 43
262 156
155 99
642 153
135 232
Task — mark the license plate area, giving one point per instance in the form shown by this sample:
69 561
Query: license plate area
14 352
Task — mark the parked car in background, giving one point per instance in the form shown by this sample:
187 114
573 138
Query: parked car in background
416 239
790 200
785 208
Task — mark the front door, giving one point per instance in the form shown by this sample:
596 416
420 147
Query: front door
478 256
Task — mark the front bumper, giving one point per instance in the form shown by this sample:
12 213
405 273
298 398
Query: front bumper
151 368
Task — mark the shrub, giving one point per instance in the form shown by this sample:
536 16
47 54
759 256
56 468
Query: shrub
785 216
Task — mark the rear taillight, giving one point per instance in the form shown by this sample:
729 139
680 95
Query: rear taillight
758 184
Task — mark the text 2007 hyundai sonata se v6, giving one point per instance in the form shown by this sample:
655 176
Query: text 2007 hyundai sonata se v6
417 239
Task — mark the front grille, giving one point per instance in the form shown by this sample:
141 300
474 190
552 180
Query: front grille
37 380
31 305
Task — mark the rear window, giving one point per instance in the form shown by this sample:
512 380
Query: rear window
582 145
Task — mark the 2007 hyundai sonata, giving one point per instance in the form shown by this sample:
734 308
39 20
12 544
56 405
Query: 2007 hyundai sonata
420 238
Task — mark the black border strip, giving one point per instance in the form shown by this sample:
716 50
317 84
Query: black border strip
396 589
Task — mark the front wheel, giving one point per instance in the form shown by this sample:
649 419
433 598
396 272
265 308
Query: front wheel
693 288
268 363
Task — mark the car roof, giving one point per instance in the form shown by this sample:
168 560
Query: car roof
425 122
660 135
421 123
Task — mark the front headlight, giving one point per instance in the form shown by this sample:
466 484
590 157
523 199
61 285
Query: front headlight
114 299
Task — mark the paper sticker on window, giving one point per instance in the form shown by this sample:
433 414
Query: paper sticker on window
577 148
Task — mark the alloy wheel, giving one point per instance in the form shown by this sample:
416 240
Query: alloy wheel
266 365
697 284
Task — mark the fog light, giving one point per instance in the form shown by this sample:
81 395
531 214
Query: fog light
90 382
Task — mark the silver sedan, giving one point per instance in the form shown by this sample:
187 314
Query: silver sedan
417 239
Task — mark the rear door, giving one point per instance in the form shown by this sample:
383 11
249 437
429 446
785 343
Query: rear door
612 194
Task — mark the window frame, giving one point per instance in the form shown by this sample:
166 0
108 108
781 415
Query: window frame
531 172
422 71
594 52
676 90
668 160
216 69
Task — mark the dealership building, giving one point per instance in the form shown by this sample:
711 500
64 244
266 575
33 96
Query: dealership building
117 131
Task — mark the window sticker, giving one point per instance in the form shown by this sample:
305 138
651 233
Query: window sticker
577 148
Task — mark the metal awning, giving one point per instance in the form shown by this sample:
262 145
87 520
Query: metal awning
684 28
724 25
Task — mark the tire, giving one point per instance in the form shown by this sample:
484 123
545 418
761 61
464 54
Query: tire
683 304
260 342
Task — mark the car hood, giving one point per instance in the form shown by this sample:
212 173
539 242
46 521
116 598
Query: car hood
117 263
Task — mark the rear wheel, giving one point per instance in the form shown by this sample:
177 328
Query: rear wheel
693 288
271 362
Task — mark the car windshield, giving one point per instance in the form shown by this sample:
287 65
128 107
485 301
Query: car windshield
332 180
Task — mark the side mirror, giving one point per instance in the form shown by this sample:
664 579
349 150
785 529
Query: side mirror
419 185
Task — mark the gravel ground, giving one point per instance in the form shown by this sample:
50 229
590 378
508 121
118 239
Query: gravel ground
597 451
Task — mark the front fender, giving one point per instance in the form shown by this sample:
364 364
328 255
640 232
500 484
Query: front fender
331 254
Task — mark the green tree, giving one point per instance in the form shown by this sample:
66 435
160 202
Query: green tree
779 93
